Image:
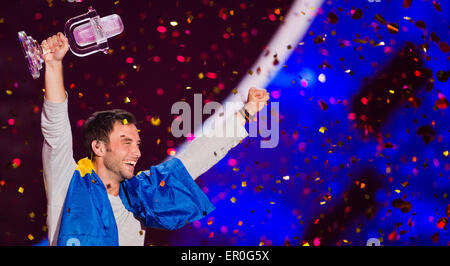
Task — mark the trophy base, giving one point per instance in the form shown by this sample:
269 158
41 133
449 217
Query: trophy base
33 53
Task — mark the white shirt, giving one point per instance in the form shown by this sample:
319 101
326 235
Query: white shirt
131 233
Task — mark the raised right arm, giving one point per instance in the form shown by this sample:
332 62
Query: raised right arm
57 153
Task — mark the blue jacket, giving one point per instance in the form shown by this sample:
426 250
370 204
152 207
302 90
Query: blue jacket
165 196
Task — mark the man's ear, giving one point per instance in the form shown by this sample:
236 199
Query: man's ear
98 147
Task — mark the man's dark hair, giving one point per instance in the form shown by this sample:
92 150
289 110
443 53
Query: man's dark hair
100 124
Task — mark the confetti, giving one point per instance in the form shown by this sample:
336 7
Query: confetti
155 121
322 130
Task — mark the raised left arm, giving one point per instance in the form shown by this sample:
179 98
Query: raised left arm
204 151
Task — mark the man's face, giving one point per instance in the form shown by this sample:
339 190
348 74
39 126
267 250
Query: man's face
123 151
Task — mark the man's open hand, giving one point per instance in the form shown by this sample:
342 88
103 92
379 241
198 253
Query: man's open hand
257 99
55 48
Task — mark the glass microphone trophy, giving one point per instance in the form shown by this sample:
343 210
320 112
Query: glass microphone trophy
87 34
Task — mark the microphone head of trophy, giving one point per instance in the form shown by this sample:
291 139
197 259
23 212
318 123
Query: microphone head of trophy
87 34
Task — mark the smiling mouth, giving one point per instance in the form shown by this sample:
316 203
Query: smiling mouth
130 164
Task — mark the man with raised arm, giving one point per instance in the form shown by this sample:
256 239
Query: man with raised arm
99 200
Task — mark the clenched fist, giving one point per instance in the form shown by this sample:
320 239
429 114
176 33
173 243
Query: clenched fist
55 48
257 99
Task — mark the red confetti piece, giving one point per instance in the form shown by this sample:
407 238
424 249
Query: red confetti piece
171 151
211 75
392 236
16 162
161 29
130 60
37 16
364 100
442 222
181 58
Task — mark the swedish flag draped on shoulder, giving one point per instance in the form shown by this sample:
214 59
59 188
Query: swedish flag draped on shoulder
165 196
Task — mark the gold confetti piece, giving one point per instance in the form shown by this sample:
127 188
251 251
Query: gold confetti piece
306 244
397 191
210 222
391 91
322 203
188 88
272 202
32 215
345 241
173 23
235 169
233 199
392 28
323 129
9 92
244 184
380 19
20 189
125 121
30 237
445 153
360 41
126 100
155 121
379 44
201 75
